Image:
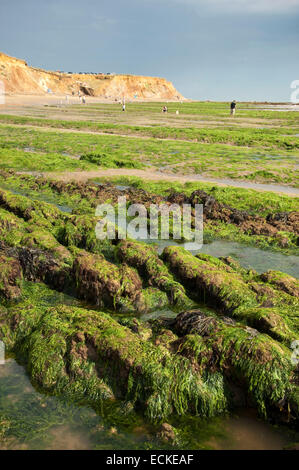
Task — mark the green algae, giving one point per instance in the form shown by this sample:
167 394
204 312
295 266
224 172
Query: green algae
226 290
10 278
251 201
31 420
239 293
91 358
65 347
148 264
255 202
276 322
245 356
282 281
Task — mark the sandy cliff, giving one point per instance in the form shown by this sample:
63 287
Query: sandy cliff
20 78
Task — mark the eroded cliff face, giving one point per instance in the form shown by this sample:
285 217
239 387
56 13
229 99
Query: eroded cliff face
20 78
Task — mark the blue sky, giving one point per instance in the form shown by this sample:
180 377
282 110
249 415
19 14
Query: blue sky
209 49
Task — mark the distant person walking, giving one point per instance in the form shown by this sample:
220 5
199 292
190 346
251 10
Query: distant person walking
124 107
233 108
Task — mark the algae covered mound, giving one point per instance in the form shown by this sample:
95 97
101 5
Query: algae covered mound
235 349
91 356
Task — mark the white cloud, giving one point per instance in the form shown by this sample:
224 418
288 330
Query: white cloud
251 6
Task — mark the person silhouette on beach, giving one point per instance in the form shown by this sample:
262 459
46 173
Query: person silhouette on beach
233 108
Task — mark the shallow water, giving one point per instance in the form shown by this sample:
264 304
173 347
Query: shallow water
248 256
280 107
36 421
247 184
256 258
245 431
38 197
122 187
273 157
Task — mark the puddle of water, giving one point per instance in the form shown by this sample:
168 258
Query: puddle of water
167 313
248 256
245 184
63 208
33 421
39 197
285 107
256 258
248 433
274 157
243 431
158 314
122 187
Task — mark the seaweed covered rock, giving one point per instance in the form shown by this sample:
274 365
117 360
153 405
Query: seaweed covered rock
236 266
240 293
80 231
40 255
146 261
212 282
104 283
37 212
257 363
42 266
8 221
43 259
285 221
10 277
278 322
282 281
45 241
92 357
269 226
167 433
101 282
